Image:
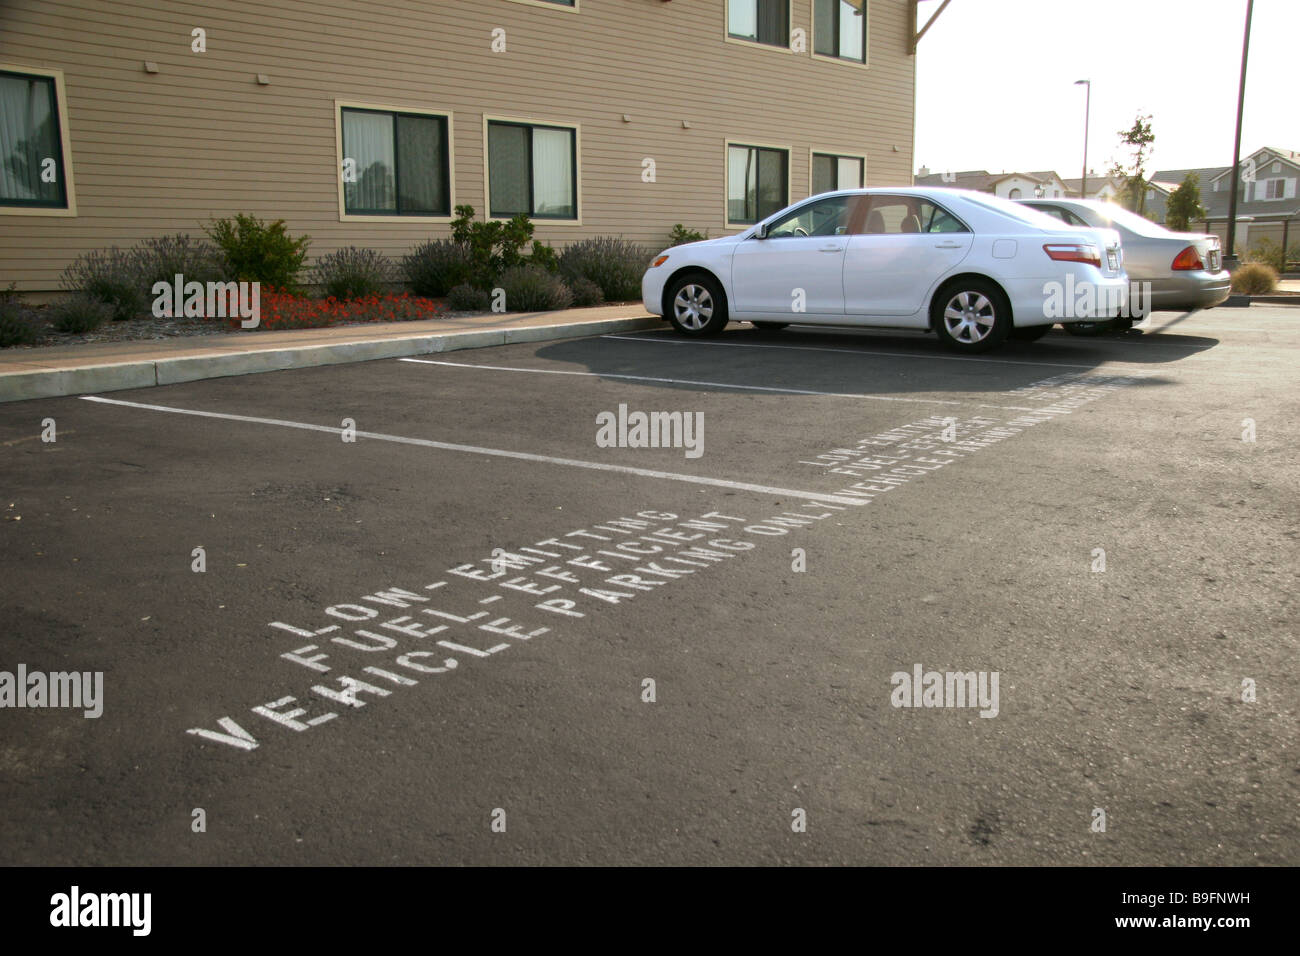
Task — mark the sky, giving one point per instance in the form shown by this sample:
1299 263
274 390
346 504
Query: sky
995 82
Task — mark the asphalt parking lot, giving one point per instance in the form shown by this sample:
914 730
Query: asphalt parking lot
464 604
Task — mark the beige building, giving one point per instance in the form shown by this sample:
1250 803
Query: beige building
366 123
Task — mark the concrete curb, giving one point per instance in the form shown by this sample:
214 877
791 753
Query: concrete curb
58 382
1276 299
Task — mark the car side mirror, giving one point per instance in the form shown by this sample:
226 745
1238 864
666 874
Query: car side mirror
761 231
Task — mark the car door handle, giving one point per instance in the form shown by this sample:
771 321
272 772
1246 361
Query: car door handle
947 245
831 249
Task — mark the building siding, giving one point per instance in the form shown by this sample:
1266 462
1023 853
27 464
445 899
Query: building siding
163 153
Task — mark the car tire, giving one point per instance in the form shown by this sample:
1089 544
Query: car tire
696 305
1090 330
1029 333
971 315
770 326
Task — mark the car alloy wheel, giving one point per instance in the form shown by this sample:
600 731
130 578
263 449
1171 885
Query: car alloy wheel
693 306
969 317
971 314
696 306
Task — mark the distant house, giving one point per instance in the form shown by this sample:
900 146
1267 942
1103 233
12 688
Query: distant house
1100 186
1267 200
1007 185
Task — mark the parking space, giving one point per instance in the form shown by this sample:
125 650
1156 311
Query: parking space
438 596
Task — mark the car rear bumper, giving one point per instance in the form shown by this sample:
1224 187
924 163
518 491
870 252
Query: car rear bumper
1084 295
1183 293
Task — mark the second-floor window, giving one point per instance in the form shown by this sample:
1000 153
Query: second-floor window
840 29
763 21
1275 189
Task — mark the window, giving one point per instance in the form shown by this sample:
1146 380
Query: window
826 217
395 164
762 21
1274 189
533 170
1014 194
757 182
895 215
33 173
840 29
1055 211
1067 217
836 172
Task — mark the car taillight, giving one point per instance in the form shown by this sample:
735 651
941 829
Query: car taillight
1189 260
1074 252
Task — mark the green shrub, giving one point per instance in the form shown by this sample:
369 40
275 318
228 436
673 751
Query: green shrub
585 292
469 298
434 267
1254 278
616 265
17 323
681 234
163 258
79 313
256 252
1268 252
111 276
544 256
531 288
492 245
352 273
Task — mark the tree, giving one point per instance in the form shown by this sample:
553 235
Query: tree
1138 140
1184 204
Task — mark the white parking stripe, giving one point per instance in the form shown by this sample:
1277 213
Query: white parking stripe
495 452
711 384
827 348
686 381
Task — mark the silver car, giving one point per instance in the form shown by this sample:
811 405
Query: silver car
1184 269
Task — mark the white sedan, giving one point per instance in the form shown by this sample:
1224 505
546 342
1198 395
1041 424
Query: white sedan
971 267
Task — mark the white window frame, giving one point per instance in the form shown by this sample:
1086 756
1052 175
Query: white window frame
65 142
726 178
344 215
577 170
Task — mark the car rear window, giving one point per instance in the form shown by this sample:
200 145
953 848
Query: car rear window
1014 210
1132 221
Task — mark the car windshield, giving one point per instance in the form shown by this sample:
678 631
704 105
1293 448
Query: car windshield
1119 216
1015 210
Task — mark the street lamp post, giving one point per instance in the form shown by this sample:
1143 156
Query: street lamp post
1087 114
1230 258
